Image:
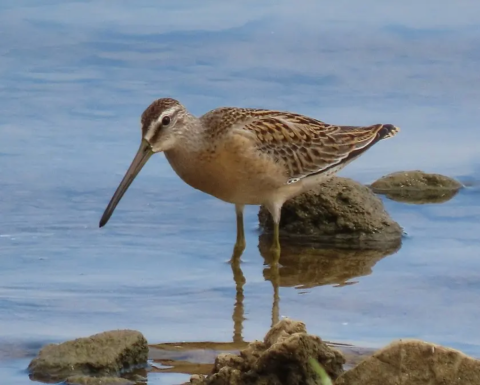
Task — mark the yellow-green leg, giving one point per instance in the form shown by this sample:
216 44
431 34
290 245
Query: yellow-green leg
275 208
240 243
276 238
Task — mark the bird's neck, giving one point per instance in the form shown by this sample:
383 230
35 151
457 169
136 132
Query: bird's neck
190 154
190 141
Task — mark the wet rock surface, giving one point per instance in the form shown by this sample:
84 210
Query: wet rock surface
417 187
414 362
281 358
196 358
338 211
104 354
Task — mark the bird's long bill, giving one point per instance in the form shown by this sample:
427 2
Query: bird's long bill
143 154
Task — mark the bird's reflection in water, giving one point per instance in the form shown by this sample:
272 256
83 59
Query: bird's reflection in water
299 265
306 265
238 310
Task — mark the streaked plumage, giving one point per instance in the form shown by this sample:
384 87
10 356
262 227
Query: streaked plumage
248 156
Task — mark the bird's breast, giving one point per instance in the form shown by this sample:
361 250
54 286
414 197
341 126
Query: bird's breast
231 172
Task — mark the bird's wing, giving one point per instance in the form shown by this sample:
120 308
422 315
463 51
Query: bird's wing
307 146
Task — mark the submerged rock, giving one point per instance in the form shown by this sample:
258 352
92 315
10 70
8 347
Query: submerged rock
414 362
104 354
336 211
417 187
282 358
85 380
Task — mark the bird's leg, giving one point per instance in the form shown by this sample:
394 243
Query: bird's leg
276 237
275 210
240 243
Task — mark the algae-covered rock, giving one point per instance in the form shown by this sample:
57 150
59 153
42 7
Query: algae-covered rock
417 187
281 358
104 354
420 197
414 362
338 210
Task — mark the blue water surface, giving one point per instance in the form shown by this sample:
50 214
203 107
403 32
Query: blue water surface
75 77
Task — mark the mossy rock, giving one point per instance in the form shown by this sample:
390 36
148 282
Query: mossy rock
282 358
414 362
104 354
417 187
338 211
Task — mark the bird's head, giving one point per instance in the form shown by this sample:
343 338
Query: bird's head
163 123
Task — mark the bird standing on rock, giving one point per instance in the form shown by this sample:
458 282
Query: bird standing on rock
247 156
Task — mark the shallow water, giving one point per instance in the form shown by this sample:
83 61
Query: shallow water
74 78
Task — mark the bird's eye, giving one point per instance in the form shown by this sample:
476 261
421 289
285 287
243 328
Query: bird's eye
166 121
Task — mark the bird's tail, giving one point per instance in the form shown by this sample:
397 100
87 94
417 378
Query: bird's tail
388 131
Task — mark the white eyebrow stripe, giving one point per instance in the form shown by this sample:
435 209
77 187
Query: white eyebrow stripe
166 112
155 123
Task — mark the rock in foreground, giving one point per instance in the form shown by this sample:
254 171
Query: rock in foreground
417 187
282 358
339 209
104 354
414 362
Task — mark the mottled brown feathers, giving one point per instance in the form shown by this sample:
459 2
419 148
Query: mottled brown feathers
305 146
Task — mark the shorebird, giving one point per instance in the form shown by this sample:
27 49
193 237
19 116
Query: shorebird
247 156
